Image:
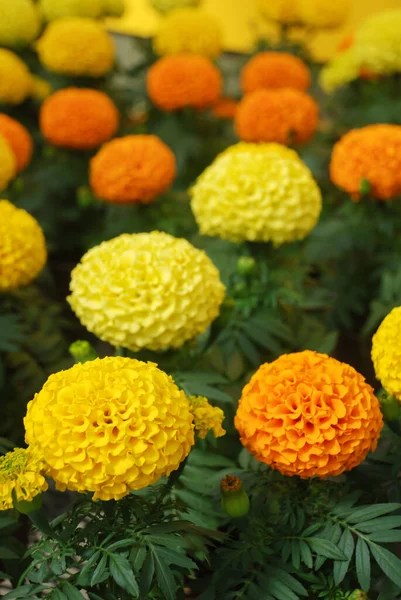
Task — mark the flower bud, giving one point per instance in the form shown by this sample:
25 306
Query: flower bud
246 265
358 595
234 499
82 351
390 407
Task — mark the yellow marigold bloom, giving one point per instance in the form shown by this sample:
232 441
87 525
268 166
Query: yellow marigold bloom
206 417
342 69
257 192
59 9
323 14
41 89
15 78
188 30
22 246
21 476
386 353
165 6
76 46
109 426
8 165
283 11
146 290
19 23
310 415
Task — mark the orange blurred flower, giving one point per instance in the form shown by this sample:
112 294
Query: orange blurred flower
310 415
225 108
184 80
132 169
372 153
286 116
20 140
275 70
78 118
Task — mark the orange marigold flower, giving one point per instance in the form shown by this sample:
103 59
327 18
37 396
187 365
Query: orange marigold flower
132 169
225 108
78 118
286 116
184 80
275 70
19 139
372 153
310 415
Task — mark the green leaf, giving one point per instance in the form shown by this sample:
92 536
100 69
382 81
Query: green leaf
122 573
290 581
71 592
392 536
147 572
97 576
8 553
172 557
346 545
86 570
387 561
165 578
371 512
325 548
380 524
12 332
306 554
272 585
362 562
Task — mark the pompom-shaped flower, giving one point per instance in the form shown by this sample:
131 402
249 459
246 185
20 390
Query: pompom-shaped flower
52 10
146 290
184 80
15 78
22 247
109 426
257 193
165 6
76 46
206 417
342 69
310 415
286 116
19 23
8 165
78 118
275 70
132 169
372 153
19 139
323 14
188 30
283 11
386 353
20 477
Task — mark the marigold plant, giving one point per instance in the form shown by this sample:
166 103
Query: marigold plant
310 415
15 78
8 163
323 14
21 477
165 6
52 10
19 23
275 70
19 139
386 353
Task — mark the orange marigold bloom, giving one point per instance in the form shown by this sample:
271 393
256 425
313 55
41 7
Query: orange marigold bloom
132 169
275 70
310 415
78 118
225 108
372 153
20 140
286 116
184 80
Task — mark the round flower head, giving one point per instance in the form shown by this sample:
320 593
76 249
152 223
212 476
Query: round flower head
323 14
19 23
15 78
8 164
113 8
188 30
132 169
386 353
146 290
342 69
275 70
165 6
175 82
310 415
283 11
78 118
22 247
76 46
19 139
372 153
225 108
378 43
286 116
52 10
20 477
257 193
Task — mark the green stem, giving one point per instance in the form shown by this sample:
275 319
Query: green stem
120 351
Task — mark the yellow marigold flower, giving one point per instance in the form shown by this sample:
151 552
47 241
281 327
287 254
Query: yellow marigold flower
165 6
41 89
283 11
386 353
342 69
146 290
257 192
59 9
19 140
310 415
21 477
109 426
188 30
8 165
22 246
15 78
323 14
76 46
19 23
113 8
206 417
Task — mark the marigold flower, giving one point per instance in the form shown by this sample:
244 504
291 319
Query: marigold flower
206 417
285 115
20 477
225 108
310 415
41 89
386 353
109 426
146 290
15 78
283 11
257 193
184 80
19 23
78 118
19 139
132 169
76 46
8 164
22 247
165 6
372 153
275 70
342 69
52 10
323 14
188 30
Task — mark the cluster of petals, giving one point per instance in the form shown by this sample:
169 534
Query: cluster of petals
21 477
323 14
15 78
386 353
283 11
8 163
275 70
19 139
19 23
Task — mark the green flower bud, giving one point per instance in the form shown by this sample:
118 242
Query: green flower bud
82 351
390 407
234 499
25 508
358 595
246 265
365 187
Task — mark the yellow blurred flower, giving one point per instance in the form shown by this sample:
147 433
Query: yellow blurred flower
146 290
165 6
342 69
41 89
15 78
58 9
19 23
21 477
113 8
323 14
283 11
386 353
206 417
8 170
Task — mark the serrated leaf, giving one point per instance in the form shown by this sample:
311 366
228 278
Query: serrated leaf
146 578
371 512
86 570
122 573
172 557
290 581
98 572
380 524
347 545
362 563
325 548
387 561
71 592
296 553
306 554
392 536
165 578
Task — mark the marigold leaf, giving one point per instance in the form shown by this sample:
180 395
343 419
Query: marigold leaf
387 561
122 573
